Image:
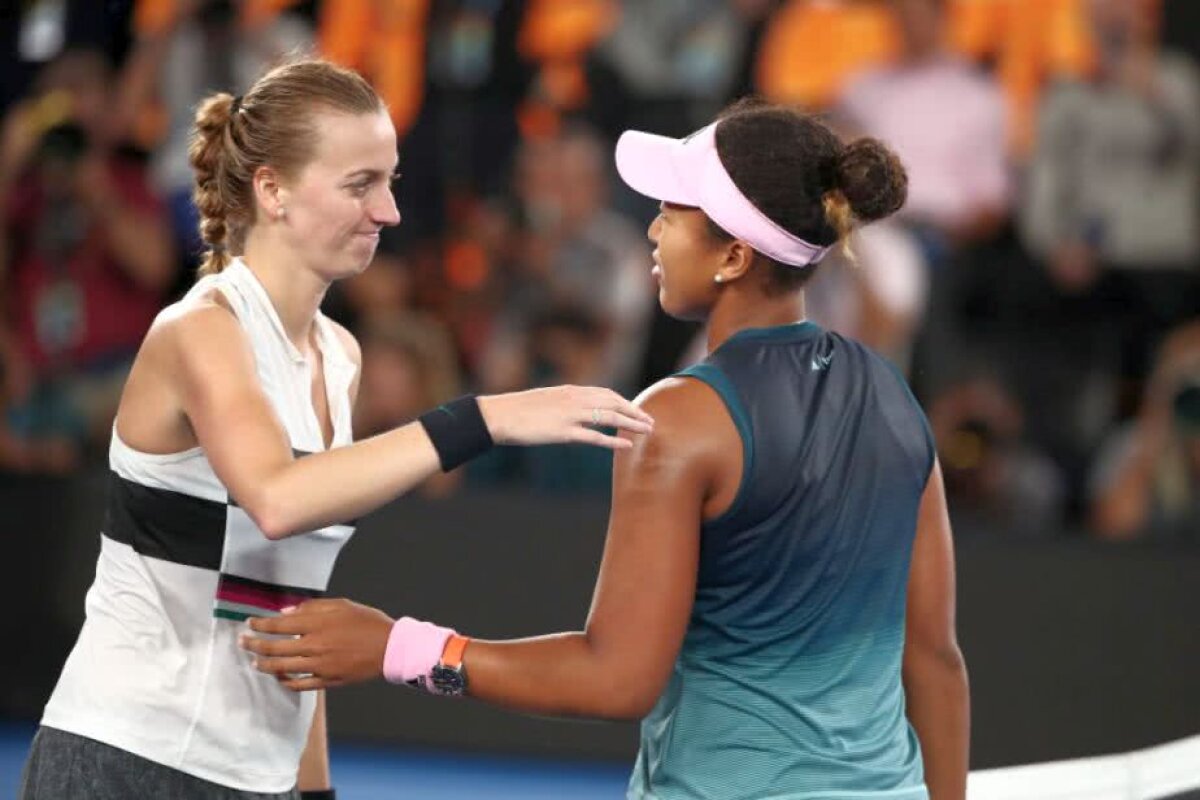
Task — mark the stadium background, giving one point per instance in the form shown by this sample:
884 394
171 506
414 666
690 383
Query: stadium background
1041 292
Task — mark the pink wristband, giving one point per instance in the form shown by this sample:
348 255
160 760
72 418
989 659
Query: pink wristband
414 648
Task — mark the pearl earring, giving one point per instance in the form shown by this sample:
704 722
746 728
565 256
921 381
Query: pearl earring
718 279
281 213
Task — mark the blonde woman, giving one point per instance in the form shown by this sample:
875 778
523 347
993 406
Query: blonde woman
233 472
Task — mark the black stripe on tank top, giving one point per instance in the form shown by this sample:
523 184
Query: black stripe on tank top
163 524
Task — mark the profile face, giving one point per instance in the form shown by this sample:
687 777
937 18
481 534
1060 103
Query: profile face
340 201
686 257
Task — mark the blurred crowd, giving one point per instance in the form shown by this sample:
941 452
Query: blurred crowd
1040 290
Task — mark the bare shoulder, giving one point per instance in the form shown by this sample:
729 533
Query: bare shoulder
201 337
676 396
349 343
192 348
193 321
689 416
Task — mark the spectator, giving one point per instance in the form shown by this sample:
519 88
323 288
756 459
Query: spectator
993 475
670 65
385 40
556 38
85 258
811 49
1114 188
571 250
184 50
946 121
1146 481
1029 43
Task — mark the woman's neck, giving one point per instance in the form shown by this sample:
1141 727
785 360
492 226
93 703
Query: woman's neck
295 292
747 307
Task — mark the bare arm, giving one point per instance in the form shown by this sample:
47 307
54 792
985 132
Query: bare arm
935 675
617 666
314 761
215 385
1123 502
217 388
1122 507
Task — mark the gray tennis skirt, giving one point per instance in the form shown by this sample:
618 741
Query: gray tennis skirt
63 766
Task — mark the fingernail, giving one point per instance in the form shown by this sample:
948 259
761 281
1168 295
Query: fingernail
287 610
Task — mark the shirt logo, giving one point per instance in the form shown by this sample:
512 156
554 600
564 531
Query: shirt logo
821 362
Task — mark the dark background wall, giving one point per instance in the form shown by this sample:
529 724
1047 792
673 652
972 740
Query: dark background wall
1074 648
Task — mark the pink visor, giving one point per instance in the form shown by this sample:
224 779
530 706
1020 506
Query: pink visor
688 172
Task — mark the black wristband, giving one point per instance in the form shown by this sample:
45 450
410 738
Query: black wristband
457 431
318 794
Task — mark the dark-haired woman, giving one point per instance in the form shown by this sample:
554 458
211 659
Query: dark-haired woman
776 597
213 515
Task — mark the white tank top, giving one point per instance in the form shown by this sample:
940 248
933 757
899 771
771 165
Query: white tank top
157 670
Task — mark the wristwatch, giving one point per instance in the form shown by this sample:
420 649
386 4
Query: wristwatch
449 676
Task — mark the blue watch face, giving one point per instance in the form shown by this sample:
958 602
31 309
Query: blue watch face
447 680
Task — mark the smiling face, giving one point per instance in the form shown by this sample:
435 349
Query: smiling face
687 257
337 203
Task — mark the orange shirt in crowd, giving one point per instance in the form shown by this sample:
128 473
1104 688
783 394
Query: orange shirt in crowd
812 47
153 16
1029 42
557 35
385 41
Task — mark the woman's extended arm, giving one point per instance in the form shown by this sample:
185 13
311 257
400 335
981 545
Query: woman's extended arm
617 666
216 387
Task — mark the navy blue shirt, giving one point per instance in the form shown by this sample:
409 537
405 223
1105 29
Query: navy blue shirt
788 682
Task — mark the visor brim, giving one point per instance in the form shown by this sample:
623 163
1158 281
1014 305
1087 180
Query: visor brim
650 165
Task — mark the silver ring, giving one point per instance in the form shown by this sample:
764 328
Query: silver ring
596 416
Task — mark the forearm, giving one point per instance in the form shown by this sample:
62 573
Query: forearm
939 708
314 762
559 675
342 484
1121 510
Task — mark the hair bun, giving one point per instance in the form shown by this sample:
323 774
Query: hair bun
872 178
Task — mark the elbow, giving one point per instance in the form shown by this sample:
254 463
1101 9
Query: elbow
941 658
624 707
271 516
633 706
626 698
272 525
